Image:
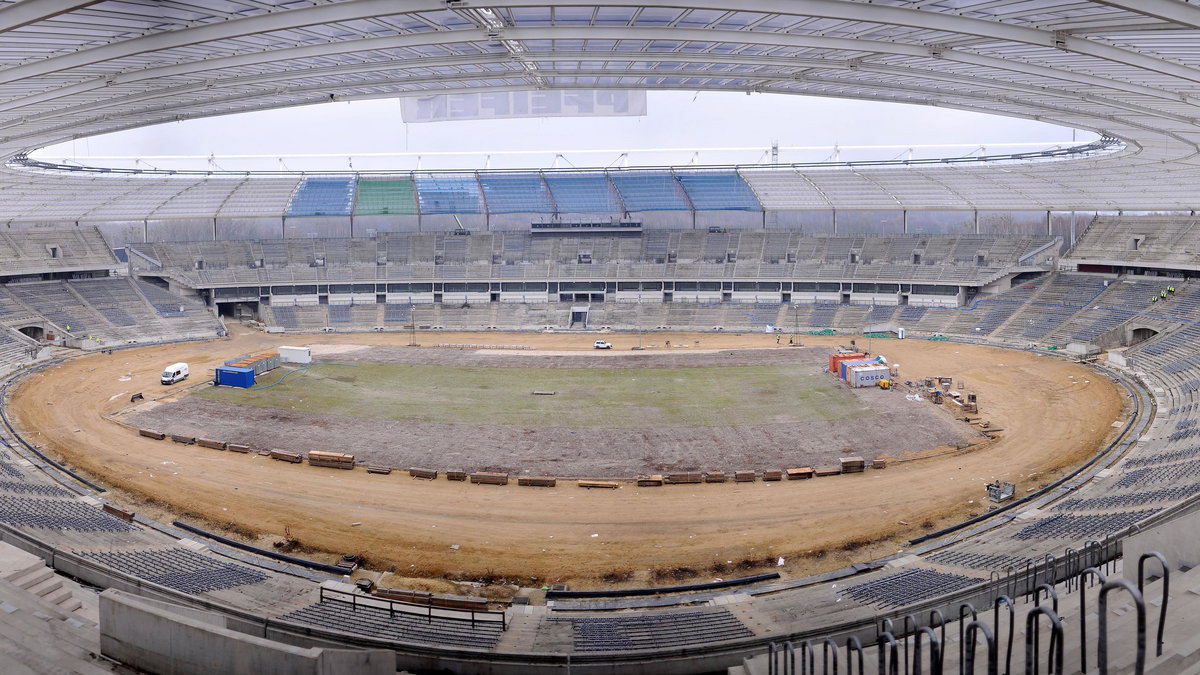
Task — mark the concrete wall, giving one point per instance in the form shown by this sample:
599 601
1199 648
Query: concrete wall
151 637
1178 540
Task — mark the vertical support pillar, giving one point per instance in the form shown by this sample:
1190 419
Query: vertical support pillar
976 221
214 228
904 219
1048 223
835 230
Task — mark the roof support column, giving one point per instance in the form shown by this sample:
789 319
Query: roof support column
904 220
976 221
835 221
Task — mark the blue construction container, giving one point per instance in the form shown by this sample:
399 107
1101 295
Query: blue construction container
233 376
846 364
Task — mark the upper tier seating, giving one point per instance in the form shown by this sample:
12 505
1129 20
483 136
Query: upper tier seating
650 191
33 251
448 193
718 190
584 192
379 196
515 193
333 196
1133 241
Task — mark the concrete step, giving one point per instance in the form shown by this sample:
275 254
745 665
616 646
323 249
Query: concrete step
32 577
46 586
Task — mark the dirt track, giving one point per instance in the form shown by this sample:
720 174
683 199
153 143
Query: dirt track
1054 414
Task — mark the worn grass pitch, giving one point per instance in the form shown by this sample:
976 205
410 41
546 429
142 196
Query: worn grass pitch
616 397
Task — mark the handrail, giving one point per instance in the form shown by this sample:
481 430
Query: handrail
483 614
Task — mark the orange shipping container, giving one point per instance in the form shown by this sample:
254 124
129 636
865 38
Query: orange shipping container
836 359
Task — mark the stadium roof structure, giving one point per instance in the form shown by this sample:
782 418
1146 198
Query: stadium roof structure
1128 69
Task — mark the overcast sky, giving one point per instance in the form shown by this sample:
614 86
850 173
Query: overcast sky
682 120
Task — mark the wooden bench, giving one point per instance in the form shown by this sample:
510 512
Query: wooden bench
455 475
602 484
744 476
375 468
209 443
800 473
149 433
714 477
773 475
429 474
287 456
650 481
332 460
489 478
237 447
685 477
537 481
186 440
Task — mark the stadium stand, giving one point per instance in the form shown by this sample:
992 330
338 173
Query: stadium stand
515 193
448 193
650 191
331 196
717 191
583 192
380 196
391 622
178 568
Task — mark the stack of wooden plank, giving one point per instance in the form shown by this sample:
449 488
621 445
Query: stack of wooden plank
489 478
800 473
450 475
287 456
333 460
209 443
237 447
744 476
853 464
424 473
650 481
537 481
773 474
150 433
685 477
714 477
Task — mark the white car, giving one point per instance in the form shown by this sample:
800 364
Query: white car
602 344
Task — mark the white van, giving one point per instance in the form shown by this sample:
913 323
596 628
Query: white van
176 372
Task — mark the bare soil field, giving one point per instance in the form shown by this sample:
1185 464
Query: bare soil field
649 413
1054 414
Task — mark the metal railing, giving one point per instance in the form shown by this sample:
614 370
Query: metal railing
413 608
901 643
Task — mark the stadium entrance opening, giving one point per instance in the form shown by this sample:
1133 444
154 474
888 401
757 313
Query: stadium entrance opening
579 316
35 332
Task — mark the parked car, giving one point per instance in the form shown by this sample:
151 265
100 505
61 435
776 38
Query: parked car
602 344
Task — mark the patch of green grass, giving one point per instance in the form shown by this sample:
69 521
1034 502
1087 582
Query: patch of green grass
619 397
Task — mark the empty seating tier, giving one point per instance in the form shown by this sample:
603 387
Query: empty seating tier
718 191
650 191
907 587
332 196
515 193
653 631
58 515
380 197
381 623
178 568
448 193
